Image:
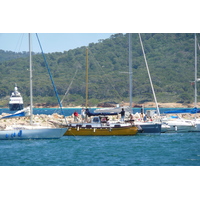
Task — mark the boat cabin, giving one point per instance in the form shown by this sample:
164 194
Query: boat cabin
16 100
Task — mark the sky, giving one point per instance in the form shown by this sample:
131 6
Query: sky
50 42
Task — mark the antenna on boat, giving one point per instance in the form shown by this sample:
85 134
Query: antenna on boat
130 71
31 87
86 90
195 73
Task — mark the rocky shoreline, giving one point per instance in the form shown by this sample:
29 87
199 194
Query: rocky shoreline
52 120
169 105
146 105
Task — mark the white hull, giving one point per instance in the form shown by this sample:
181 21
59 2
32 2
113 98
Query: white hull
179 129
196 128
34 133
178 126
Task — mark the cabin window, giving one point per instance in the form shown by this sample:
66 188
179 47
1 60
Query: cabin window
96 119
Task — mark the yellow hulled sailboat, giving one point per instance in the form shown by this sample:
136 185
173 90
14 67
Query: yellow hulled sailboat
100 126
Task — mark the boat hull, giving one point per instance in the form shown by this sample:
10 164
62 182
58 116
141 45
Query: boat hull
149 129
107 131
15 107
179 129
38 133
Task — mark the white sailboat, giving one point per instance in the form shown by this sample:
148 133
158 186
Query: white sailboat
196 121
32 131
183 125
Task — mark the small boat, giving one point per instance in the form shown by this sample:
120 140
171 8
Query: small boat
16 100
178 125
32 131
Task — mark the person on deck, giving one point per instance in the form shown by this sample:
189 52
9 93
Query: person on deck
83 114
76 116
122 115
145 118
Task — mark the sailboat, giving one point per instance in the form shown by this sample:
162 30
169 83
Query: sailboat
180 124
147 128
99 124
32 131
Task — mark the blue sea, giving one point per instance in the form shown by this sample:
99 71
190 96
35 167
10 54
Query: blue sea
167 149
107 167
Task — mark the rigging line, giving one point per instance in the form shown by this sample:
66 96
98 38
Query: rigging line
68 88
100 67
55 90
149 74
19 43
70 85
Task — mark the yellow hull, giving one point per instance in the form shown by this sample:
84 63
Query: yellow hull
72 131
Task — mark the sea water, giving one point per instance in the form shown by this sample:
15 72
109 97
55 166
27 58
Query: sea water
167 149
174 149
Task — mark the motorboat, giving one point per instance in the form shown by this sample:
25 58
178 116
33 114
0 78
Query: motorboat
16 100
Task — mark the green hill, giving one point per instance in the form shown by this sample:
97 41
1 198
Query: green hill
170 58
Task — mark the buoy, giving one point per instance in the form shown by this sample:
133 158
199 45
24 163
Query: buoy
6 135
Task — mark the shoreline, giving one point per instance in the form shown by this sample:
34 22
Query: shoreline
145 105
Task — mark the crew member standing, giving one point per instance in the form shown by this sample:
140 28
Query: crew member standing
122 115
83 114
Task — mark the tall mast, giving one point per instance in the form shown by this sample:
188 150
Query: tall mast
130 70
195 75
158 111
31 87
86 91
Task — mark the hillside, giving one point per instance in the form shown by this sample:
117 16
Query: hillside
170 58
9 55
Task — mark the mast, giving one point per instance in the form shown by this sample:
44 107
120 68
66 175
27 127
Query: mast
130 70
86 91
158 111
195 75
31 87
